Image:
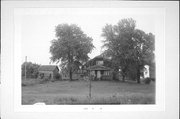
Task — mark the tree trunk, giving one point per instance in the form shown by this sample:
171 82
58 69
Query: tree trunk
70 65
138 75
123 78
70 74
123 75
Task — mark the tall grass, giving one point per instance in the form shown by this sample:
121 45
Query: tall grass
77 92
32 81
133 99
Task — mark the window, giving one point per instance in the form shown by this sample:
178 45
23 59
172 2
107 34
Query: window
99 62
106 73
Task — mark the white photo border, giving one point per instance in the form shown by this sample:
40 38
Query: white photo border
11 89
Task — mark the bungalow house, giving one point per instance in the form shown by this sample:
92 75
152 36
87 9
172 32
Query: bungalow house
99 68
48 71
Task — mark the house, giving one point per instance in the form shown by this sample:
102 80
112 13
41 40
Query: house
100 68
48 71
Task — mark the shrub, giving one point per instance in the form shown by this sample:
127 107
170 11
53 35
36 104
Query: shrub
24 84
153 79
44 80
41 76
115 76
57 76
147 80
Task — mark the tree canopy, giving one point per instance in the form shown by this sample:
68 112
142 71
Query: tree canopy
71 47
128 46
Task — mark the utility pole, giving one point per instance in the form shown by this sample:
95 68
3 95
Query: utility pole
90 88
25 66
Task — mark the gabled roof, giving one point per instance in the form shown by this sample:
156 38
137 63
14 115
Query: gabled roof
97 58
48 67
98 67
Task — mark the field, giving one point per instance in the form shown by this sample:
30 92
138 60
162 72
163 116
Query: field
77 92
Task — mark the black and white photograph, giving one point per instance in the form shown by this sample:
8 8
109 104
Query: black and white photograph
83 56
89 59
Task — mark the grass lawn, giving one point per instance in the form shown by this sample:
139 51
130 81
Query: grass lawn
77 92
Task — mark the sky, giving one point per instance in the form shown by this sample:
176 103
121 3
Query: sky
38 27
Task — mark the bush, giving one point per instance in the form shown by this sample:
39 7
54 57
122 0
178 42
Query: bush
43 80
24 84
147 80
115 76
57 77
153 79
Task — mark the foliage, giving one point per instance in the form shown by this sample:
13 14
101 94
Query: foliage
131 72
147 80
71 47
126 45
57 76
152 71
31 70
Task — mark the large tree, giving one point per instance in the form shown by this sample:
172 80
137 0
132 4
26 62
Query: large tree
128 47
71 47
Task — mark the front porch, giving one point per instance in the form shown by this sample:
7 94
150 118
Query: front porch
99 72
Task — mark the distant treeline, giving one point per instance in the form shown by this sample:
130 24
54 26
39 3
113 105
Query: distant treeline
31 70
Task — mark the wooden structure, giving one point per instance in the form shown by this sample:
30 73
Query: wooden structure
99 68
48 71
76 75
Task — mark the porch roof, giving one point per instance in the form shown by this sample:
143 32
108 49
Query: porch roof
98 67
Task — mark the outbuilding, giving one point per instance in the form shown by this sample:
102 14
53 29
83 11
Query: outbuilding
48 71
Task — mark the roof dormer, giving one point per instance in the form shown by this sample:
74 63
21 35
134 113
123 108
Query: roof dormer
100 62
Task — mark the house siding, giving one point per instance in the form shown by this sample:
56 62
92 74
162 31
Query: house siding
50 75
75 75
99 69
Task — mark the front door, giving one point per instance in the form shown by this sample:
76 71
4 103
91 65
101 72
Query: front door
99 75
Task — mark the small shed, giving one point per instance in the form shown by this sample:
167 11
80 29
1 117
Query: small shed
48 71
